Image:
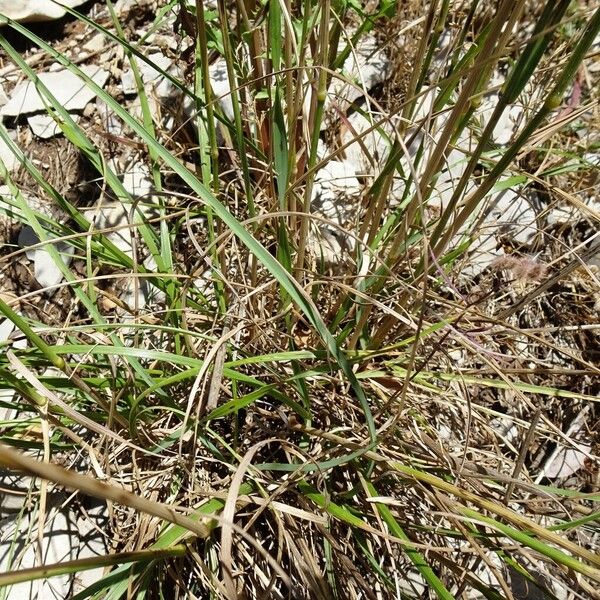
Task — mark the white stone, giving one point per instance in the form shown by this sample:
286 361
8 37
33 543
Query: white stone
328 245
8 158
109 215
447 180
508 122
333 186
138 291
44 126
364 68
96 43
220 87
410 583
204 283
150 76
46 272
506 430
124 6
110 122
35 10
68 89
376 143
322 149
115 215
137 180
7 394
483 252
566 462
6 328
512 215
67 536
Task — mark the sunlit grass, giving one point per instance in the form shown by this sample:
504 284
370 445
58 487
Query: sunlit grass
271 425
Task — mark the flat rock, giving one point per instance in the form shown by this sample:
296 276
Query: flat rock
367 152
68 535
566 462
508 123
110 122
138 292
7 394
221 92
122 220
513 215
137 180
334 185
68 89
162 87
46 272
220 87
44 126
35 10
8 158
364 68
96 43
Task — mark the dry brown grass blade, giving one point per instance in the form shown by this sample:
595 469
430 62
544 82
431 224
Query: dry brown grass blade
496 508
70 412
227 523
12 459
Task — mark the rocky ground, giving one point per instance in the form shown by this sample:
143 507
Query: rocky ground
540 230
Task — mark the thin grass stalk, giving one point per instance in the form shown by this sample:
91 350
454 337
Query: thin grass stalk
77 289
282 157
507 13
315 119
279 154
298 128
363 312
291 79
203 76
413 554
426 50
241 146
492 43
397 152
166 255
83 564
514 85
418 74
524 524
257 55
207 141
553 101
393 164
144 104
463 33
79 139
14 460
338 8
19 322
235 102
